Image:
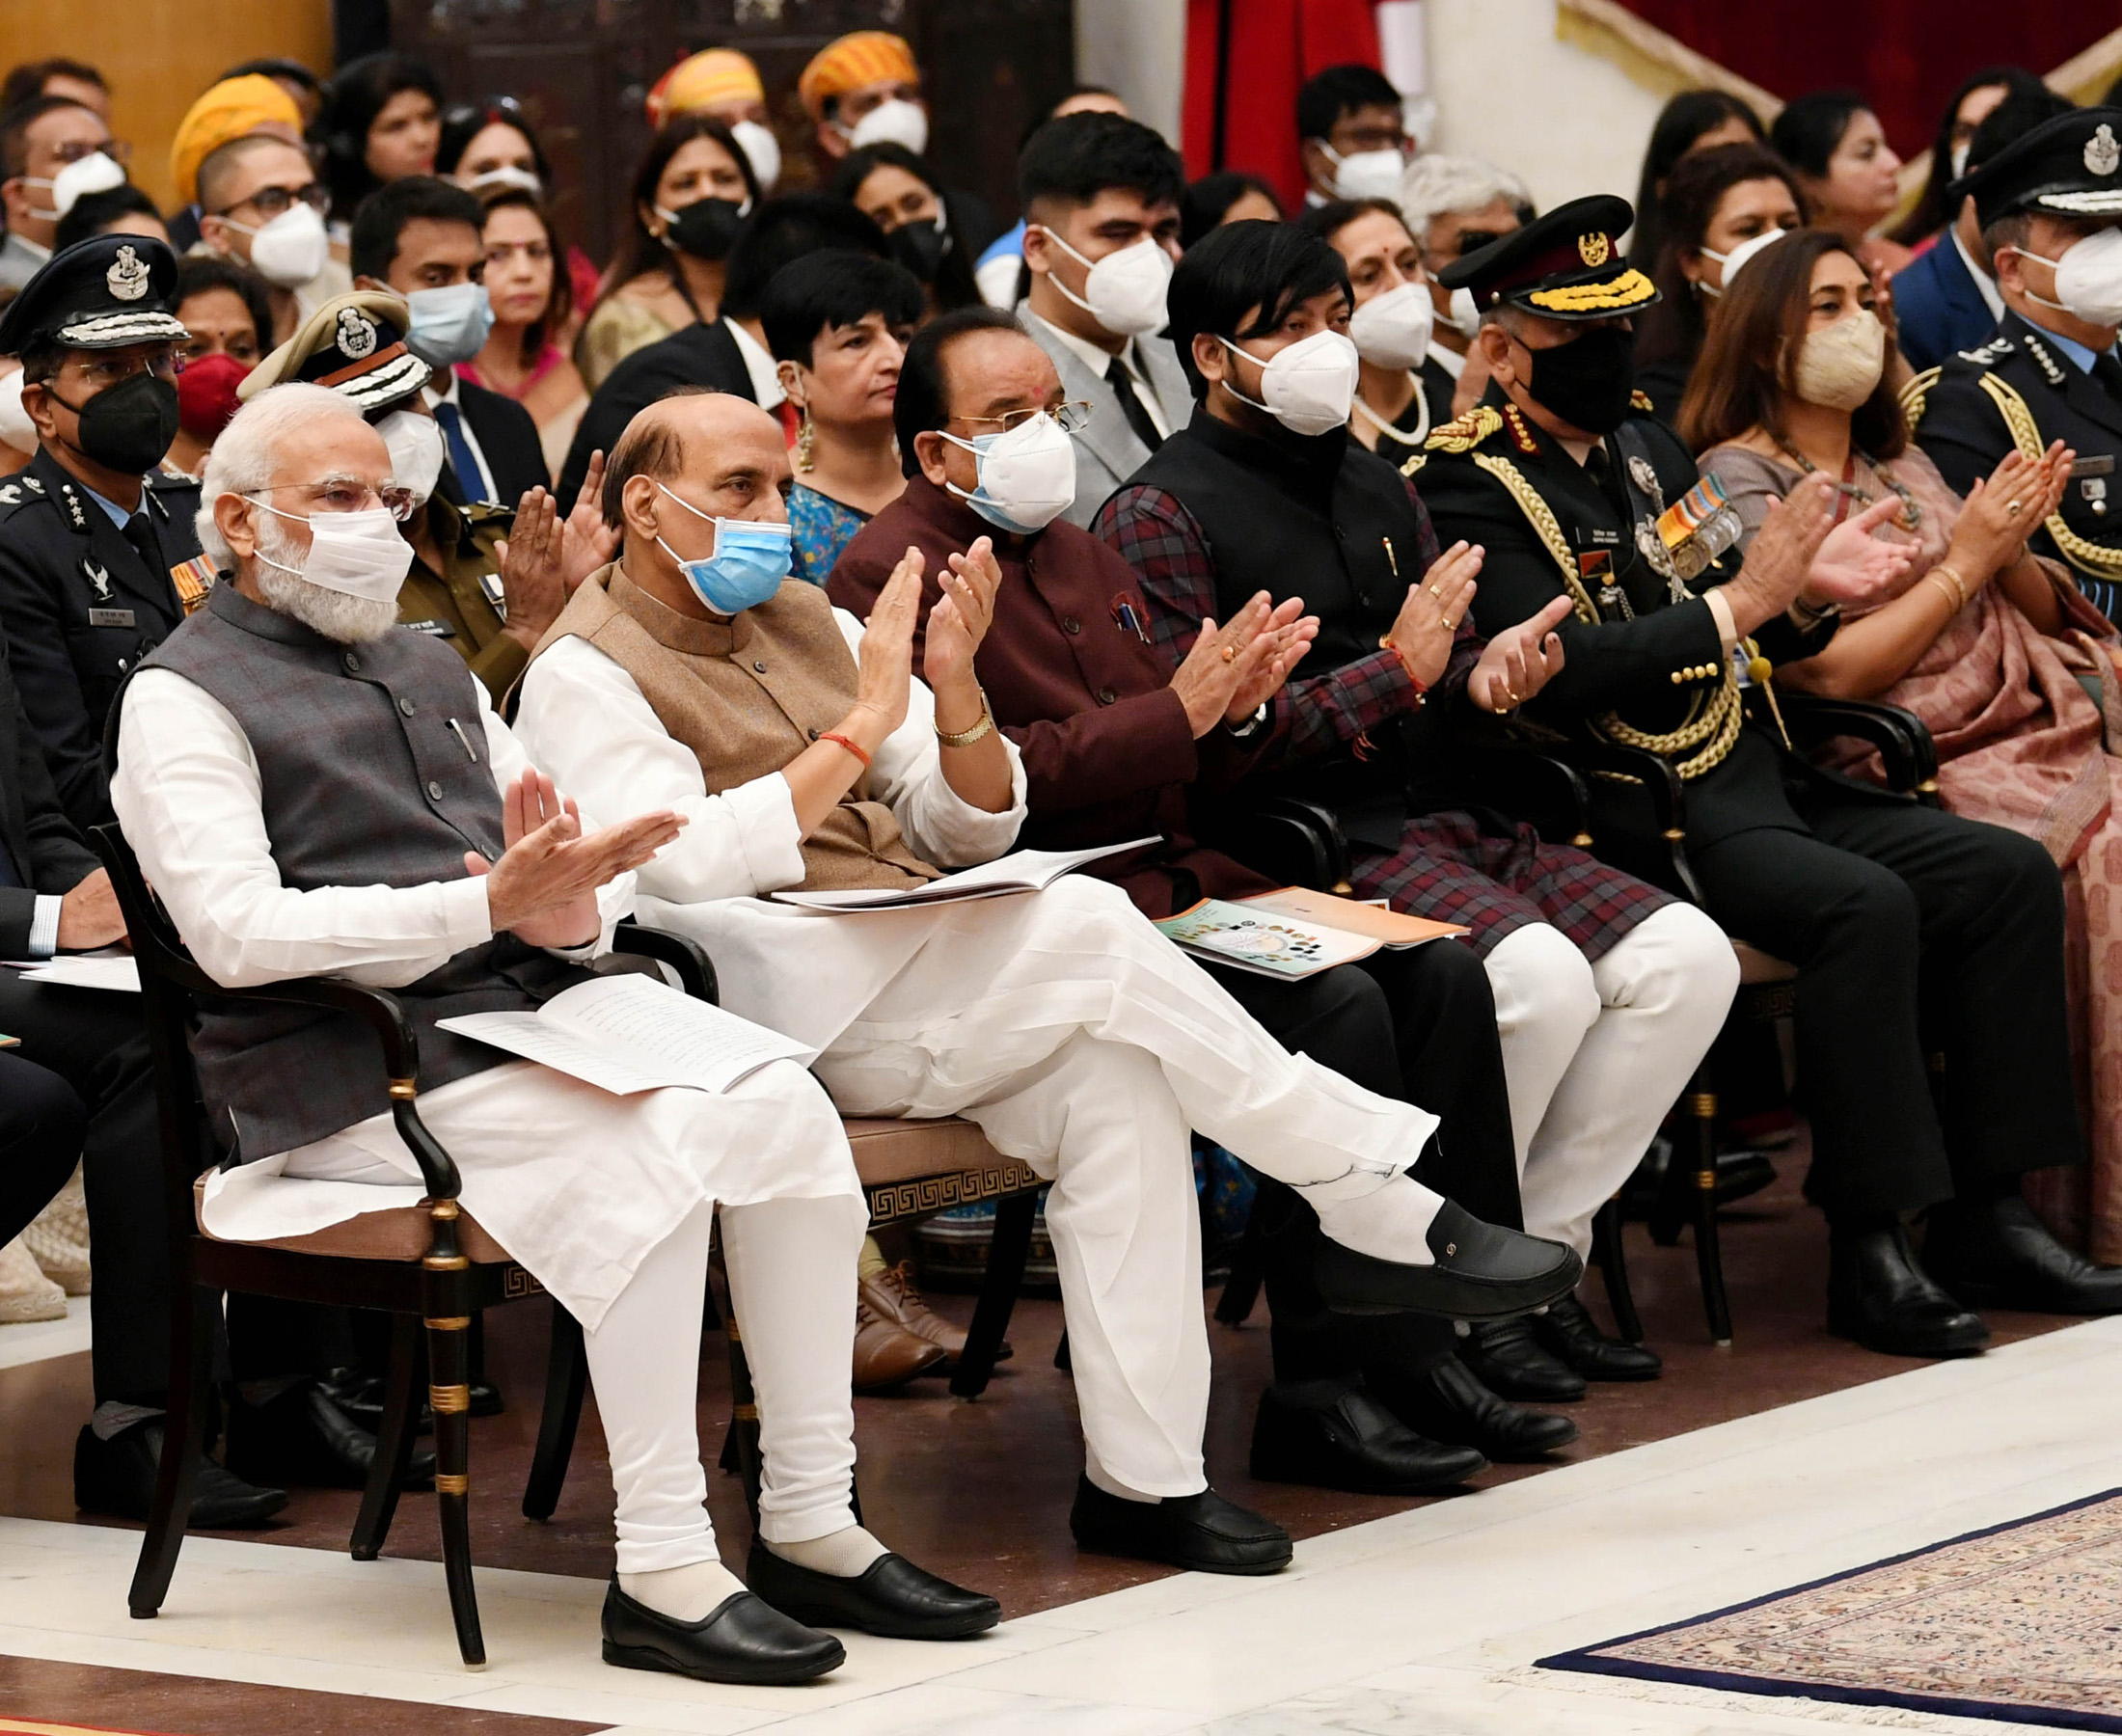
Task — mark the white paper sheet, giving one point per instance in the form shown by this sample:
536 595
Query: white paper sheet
89 971
1021 871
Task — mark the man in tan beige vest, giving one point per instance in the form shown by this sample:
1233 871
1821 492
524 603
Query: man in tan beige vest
693 674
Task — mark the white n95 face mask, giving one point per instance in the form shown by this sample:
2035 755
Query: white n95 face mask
2088 278
1731 265
762 151
292 249
1464 315
894 121
96 173
1308 387
507 175
1125 290
1393 330
357 553
415 444
1027 474
1366 173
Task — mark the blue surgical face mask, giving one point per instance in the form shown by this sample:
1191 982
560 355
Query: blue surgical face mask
448 324
750 562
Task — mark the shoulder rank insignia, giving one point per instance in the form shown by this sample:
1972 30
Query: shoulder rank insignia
1988 355
2051 369
1641 401
1521 436
1463 433
77 513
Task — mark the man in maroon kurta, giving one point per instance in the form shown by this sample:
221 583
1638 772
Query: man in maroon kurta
1113 740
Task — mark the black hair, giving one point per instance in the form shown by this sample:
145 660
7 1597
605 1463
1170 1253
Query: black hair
786 229
644 252
1934 210
15 123
1682 121
820 289
373 241
1208 201
1239 269
277 66
954 285
91 211
921 405
198 273
1078 156
464 122
1328 220
357 95
1326 98
1809 129
1673 328
560 299
30 79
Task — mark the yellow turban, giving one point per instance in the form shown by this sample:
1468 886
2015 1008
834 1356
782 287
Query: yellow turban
867 57
701 80
229 110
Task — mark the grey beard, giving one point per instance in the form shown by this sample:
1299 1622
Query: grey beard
347 620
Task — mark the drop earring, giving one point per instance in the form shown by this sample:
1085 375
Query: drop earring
806 442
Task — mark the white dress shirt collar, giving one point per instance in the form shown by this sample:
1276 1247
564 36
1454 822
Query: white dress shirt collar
766 381
1099 360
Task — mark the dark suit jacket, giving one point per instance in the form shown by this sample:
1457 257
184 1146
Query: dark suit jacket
509 439
1108 753
698 355
49 855
1937 307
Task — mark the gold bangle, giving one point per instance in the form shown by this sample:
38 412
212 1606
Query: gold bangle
1943 590
1959 588
966 738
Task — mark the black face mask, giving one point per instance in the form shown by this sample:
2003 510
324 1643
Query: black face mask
920 247
128 427
1586 381
706 229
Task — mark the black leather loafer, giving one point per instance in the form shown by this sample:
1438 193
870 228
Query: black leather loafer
1567 1331
891 1597
1335 1436
303 1438
117 1477
1203 1532
1448 1404
1507 1359
1877 1294
744 1639
1481 1273
2003 1255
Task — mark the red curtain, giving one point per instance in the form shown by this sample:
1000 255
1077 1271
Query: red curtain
1244 62
1906 56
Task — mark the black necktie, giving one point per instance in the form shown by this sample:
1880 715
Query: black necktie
141 534
1599 466
2108 372
1132 407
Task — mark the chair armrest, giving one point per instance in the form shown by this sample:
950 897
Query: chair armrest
1660 780
1295 842
687 958
1533 781
1902 739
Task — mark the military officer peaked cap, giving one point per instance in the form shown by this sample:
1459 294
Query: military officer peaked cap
101 293
1565 265
2067 167
353 343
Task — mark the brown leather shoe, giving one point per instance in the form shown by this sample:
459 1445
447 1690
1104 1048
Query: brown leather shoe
891 1293
886 1355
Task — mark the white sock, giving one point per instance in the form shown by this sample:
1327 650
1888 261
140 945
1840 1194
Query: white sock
690 1593
1390 1224
844 1553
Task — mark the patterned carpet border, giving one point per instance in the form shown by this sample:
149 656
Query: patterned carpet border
1598 1658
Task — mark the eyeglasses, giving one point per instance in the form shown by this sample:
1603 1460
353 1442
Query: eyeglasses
345 494
1074 416
100 373
72 151
273 202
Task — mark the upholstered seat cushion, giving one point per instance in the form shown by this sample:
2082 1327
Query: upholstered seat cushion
902 1150
399 1232
1756 967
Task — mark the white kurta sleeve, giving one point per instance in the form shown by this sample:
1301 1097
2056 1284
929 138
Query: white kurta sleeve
907 776
188 795
587 726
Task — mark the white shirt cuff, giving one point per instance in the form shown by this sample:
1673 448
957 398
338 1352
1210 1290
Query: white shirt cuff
44 926
468 920
764 810
1727 629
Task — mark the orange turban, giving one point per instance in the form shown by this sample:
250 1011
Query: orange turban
701 80
232 109
866 56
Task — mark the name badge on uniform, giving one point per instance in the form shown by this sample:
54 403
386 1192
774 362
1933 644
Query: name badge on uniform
434 628
2101 465
110 618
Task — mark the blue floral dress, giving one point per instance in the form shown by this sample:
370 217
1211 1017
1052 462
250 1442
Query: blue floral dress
821 527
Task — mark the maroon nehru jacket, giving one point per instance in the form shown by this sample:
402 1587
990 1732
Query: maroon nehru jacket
1073 680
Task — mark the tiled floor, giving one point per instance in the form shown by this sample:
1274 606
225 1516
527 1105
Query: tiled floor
1785 1459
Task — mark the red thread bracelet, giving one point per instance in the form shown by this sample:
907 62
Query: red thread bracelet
833 735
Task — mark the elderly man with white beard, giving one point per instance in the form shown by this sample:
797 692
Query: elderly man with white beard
313 789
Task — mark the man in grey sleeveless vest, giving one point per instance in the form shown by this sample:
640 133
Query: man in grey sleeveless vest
313 789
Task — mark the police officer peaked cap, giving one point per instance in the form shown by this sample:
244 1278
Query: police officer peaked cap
2067 167
103 293
353 343
1565 265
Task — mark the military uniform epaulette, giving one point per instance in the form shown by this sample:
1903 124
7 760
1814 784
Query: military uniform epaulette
1479 425
19 491
1639 402
1988 355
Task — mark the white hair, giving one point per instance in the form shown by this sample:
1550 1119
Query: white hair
245 453
1435 185
345 619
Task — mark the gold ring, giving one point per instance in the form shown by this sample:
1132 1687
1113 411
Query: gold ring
1449 624
1514 693
1229 652
2013 508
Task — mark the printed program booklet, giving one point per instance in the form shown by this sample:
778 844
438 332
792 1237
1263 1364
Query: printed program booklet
635 1033
1021 871
1297 932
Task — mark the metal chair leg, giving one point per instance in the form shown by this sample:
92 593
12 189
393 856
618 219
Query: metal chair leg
566 1376
183 1439
394 1440
991 1316
1708 1253
448 1324
1606 1249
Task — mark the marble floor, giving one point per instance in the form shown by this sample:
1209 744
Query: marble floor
1396 1620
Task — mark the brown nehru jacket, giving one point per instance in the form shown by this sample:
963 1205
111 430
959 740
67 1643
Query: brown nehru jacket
1073 680
747 696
